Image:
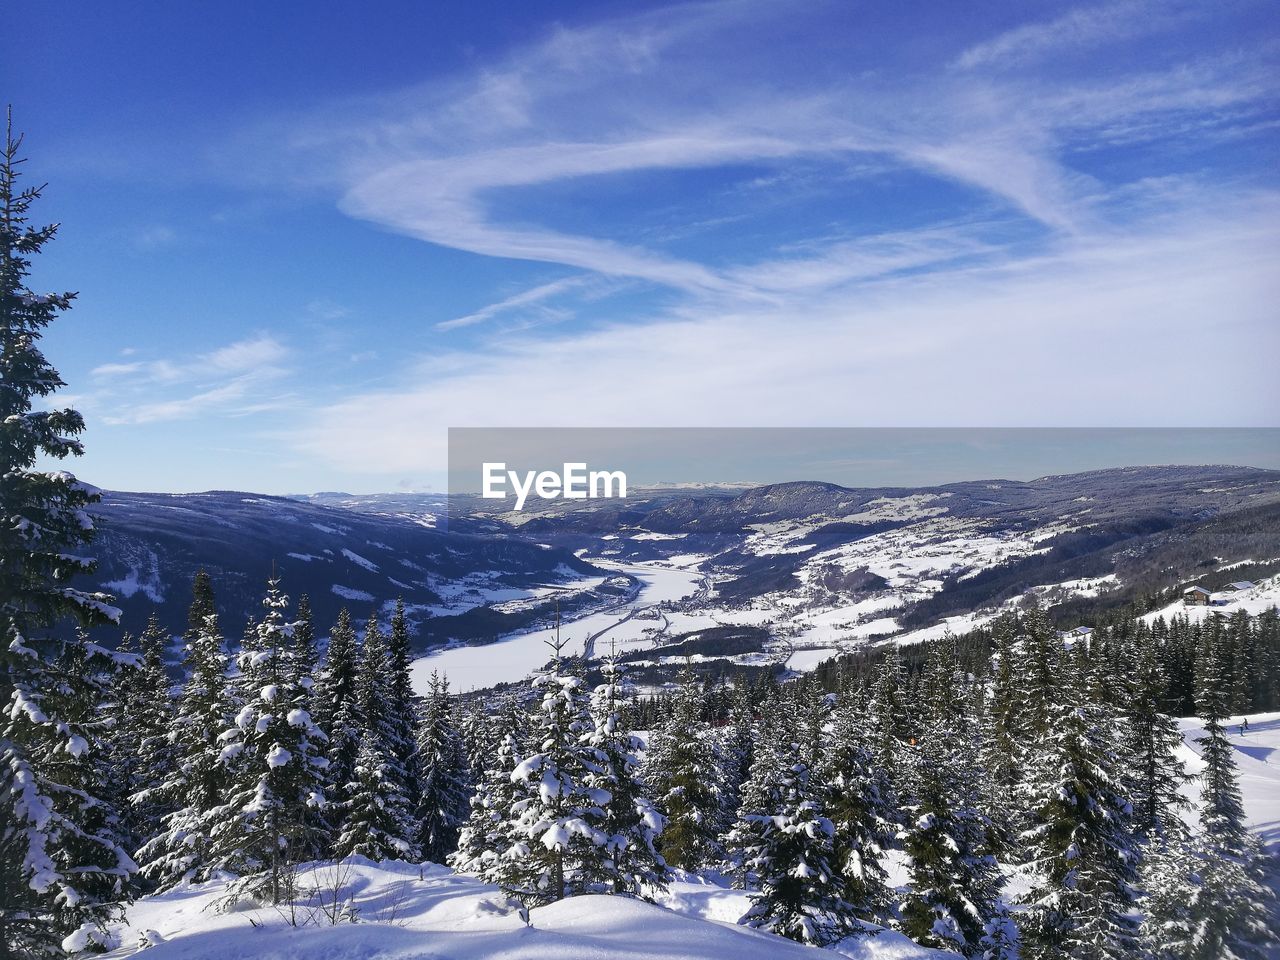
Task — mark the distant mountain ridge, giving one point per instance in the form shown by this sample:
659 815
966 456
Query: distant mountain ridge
801 555
150 545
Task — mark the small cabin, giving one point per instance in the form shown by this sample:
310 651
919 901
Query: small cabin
1075 633
1240 585
1196 597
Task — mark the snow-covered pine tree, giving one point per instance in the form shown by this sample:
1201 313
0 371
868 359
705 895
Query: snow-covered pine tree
679 769
630 821
1156 774
338 714
955 880
888 725
376 795
401 703
441 762
144 719
1001 756
1080 845
87 790
856 803
488 834
195 783
304 658
44 527
557 851
733 753
792 855
376 812
274 812
762 798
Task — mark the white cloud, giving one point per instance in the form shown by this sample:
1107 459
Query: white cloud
1081 27
1094 333
222 380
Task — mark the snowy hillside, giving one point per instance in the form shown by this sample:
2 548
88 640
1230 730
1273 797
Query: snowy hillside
403 910
150 546
787 576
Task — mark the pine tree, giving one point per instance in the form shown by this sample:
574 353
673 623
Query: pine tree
1081 847
1156 773
677 768
888 725
338 714
87 793
441 763
145 714
488 835
792 854
954 879
401 700
374 793
304 658
762 797
1001 751
44 526
557 850
856 793
377 811
195 784
629 820
275 808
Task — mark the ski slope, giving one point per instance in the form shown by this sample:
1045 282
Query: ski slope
1257 756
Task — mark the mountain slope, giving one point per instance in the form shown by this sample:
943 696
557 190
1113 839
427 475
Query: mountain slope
150 546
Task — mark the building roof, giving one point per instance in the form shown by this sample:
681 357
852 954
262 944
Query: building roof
1241 585
1196 589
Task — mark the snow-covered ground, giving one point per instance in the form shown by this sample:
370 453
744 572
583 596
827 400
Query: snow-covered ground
406 912
515 656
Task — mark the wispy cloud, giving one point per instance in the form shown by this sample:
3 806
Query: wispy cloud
221 380
526 298
1011 241
1078 28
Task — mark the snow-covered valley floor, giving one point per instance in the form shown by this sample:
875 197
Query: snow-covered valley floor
405 911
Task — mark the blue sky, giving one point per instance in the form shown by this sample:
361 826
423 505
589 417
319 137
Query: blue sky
308 240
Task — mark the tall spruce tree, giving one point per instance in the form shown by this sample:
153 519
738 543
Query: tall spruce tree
955 881
195 784
274 811
441 762
377 796
1080 844
558 849
857 805
630 821
489 833
791 851
142 723
338 714
1156 774
677 768
53 859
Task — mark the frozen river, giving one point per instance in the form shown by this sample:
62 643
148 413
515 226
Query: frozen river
517 655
